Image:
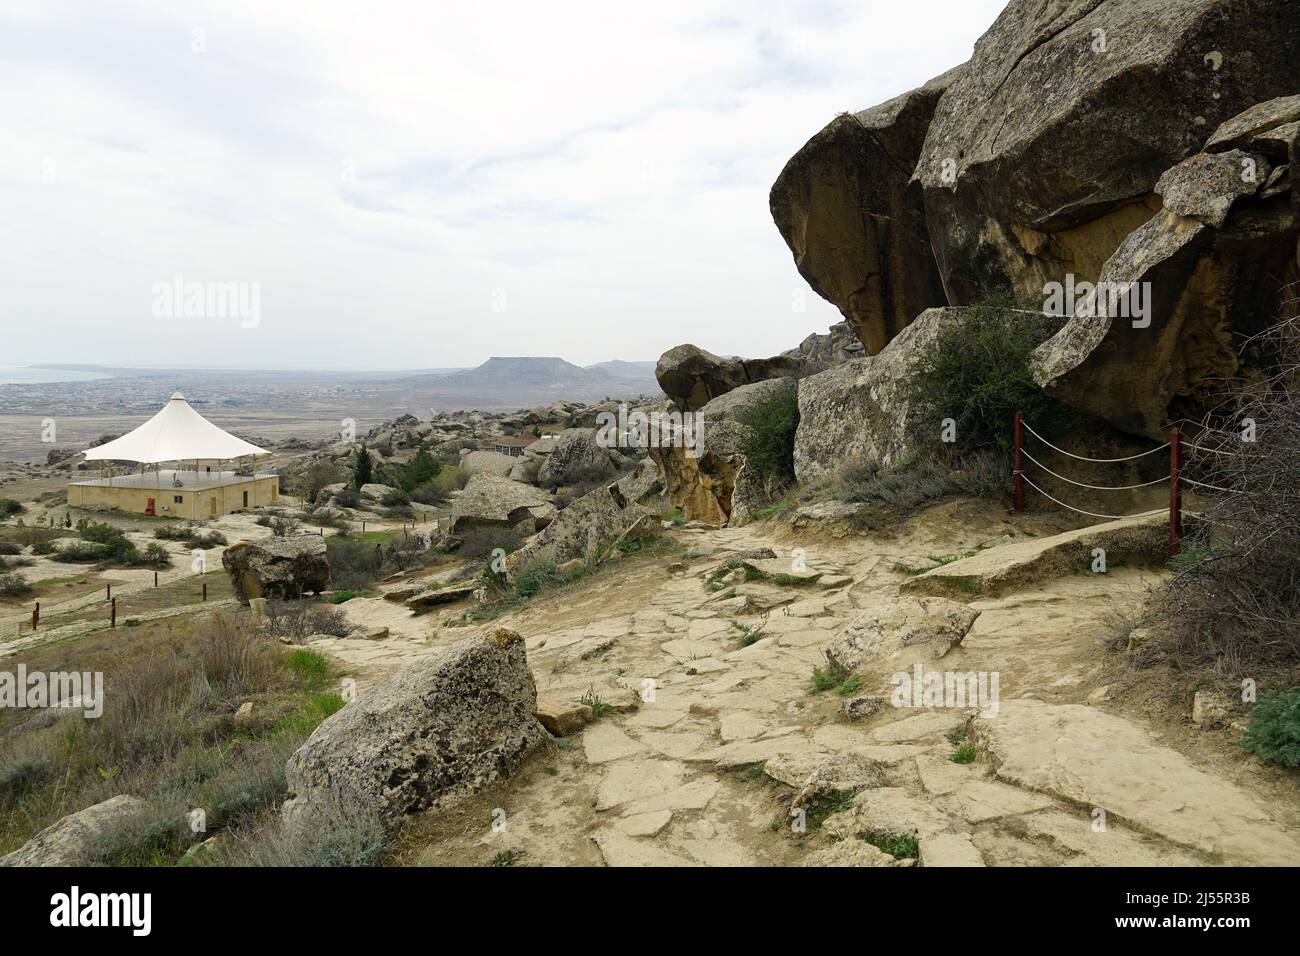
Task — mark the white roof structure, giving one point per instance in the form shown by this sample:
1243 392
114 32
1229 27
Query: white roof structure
177 433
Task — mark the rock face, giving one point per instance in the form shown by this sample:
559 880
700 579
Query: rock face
436 732
930 625
582 530
496 502
69 841
1066 152
1213 259
860 410
487 463
712 486
1018 190
577 456
278 567
692 377
847 208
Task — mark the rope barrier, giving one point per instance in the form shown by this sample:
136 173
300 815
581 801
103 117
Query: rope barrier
1146 484
1090 514
1106 461
1201 484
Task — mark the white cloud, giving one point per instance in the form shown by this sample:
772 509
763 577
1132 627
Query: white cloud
382 169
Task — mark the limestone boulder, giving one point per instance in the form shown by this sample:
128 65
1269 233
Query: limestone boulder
708 480
577 455
495 502
1211 263
855 222
71 840
1044 152
931 626
438 731
585 529
277 567
692 377
487 462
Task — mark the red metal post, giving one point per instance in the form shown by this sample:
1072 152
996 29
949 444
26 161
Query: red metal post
108 592
205 590
1175 492
112 614
155 579
36 615
1020 482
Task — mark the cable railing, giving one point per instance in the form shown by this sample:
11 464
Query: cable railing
1175 479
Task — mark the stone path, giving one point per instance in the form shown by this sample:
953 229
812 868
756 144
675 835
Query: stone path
714 736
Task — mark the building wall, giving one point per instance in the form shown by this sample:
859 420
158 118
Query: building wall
197 503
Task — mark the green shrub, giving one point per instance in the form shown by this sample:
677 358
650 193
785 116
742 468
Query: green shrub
14 584
1274 729
768 440
10 547
894 493
976 372
421 469
536 577
901 846
9 508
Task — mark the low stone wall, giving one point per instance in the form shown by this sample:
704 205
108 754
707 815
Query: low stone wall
197 503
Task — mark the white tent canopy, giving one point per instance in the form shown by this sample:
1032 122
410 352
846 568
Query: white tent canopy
177 433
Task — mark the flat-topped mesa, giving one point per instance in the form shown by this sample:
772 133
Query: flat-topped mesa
847 208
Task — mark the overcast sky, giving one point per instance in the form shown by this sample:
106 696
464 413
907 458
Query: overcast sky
427 184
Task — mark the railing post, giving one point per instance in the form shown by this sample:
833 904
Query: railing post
1018 465
205 590
36 615
1175 493
112 614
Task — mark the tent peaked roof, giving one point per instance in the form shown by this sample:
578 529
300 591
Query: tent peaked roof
177 433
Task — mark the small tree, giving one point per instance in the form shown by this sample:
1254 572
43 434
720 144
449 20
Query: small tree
364 468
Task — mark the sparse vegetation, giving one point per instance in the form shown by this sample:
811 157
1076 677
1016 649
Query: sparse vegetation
833 677
901 846
768 440
1274 729
9 507
966 753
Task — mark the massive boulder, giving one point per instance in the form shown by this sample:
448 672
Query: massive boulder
71 840
487 463
861 410
495 502
1212 259
1044 153
708 480
577 455
439 730
847 208
692 377
277 567
583 530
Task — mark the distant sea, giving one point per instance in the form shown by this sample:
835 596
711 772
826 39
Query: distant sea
35 375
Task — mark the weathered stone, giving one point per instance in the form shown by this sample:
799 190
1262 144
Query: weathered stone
692 377
1209 708
933 625
856 224
437 731
1016 191
561 718
577 456
71 840
709 482
448 595
488 463
278 567
496 502
583 530
860 708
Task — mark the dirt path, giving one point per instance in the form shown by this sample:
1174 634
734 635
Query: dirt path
681 771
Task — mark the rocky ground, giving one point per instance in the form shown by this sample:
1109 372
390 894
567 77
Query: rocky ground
710 739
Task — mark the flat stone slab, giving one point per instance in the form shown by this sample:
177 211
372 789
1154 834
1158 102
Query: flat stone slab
428 599
604 742
950 849
1098 760
1142 540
